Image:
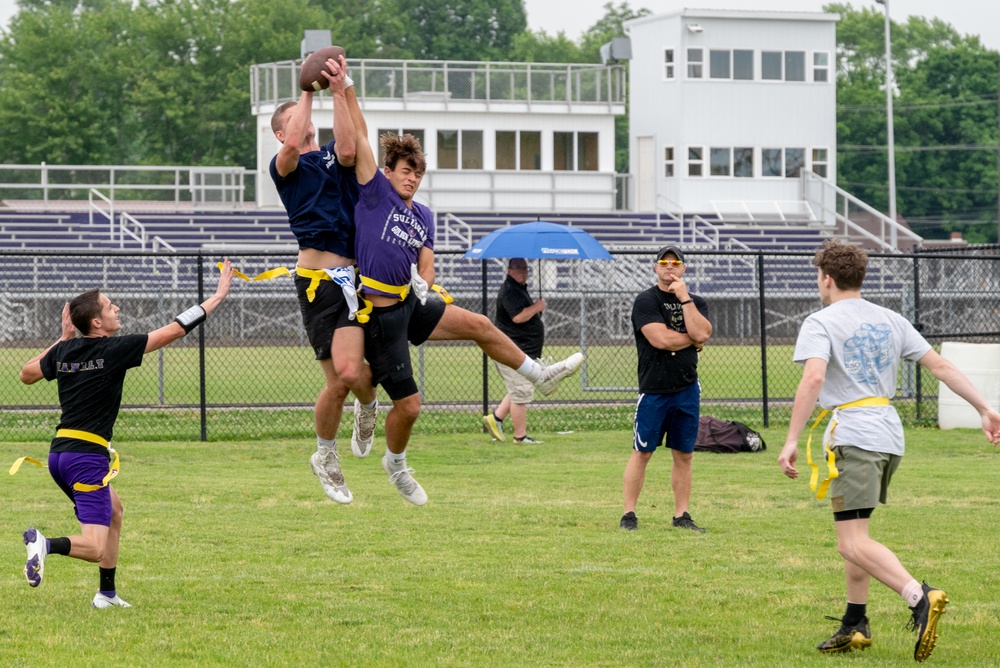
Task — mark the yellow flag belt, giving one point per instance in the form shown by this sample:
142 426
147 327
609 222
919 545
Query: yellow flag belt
79 435
821 488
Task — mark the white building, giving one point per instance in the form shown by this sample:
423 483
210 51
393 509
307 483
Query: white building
727 107
497 136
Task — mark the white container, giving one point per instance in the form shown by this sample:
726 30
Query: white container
981 363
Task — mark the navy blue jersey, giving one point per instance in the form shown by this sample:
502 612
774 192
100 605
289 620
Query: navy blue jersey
319 196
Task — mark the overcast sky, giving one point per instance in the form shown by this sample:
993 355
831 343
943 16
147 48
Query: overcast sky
978 17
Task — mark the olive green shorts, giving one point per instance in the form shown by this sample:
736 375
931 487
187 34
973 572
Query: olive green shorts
864 478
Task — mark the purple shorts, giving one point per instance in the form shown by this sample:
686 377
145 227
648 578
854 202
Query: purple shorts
68 468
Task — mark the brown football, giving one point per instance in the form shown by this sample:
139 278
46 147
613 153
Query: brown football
309 76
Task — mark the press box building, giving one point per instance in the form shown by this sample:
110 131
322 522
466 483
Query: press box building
727 107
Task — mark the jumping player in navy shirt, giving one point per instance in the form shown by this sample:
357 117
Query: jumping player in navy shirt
317 186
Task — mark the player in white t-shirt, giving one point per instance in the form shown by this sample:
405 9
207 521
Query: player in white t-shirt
850 352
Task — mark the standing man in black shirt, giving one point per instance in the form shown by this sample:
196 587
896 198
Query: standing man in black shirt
670 326
519 317
90 371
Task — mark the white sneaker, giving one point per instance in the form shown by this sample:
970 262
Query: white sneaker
325 464
553 374
408 488
101 601
364 429
34 567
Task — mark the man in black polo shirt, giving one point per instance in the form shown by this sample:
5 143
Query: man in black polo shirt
90 371
670 327
519 317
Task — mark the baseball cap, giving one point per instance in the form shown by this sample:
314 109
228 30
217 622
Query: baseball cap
670 249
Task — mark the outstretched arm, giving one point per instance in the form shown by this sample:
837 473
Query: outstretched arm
31 372
813 377
364 158
296 136
343 122
960 384
175 330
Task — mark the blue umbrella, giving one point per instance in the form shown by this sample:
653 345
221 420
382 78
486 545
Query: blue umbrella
537 241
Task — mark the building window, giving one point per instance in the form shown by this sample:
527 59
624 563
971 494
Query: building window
719 161
668 161
472 149
783 65
743 64
743 162
574 151
770 66
519 149
771 160
668 64
447 149
696 63
696 161
457 148
419 134
821 66
719 64
820 162
795 65
795 161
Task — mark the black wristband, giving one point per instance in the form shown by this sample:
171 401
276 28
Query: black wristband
687 301
191 318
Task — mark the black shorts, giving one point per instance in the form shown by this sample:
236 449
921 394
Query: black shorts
327 312
388 334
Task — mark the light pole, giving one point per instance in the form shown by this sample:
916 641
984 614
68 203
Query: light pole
889 129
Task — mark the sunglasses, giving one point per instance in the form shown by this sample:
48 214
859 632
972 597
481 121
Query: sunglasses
670 263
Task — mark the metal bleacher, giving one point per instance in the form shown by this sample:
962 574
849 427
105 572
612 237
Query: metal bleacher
233 233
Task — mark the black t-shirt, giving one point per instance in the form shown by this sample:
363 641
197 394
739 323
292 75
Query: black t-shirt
91 373
529 336
664 371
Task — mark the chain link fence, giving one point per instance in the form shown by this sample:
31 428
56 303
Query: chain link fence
248 373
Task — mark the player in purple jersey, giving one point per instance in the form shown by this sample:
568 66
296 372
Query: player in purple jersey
318 189
395 250
90 371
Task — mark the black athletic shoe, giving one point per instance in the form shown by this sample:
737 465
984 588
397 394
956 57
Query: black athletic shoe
847 638
685 522
629 522
925 619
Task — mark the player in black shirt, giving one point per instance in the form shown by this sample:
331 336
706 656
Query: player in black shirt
90 371
670 327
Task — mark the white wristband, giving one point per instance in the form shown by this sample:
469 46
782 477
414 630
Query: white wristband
348 82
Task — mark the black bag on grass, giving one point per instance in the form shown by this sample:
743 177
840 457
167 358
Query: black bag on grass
715 435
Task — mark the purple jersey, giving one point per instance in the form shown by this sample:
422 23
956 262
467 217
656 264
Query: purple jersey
389 234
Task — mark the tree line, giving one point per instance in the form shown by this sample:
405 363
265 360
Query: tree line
166 82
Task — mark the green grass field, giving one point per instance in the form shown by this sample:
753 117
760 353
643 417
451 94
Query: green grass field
231 556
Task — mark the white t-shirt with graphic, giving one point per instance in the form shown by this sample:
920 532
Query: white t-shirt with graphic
862 344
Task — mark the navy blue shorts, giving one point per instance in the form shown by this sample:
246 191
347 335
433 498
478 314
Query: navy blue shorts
67 468
672 415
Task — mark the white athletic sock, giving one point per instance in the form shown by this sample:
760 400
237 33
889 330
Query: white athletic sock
912 593
530 369
370 405
325 444
396 462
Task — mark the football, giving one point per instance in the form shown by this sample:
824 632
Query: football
309 76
